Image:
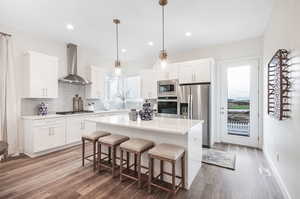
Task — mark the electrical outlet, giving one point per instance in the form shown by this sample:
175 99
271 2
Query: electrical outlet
277 157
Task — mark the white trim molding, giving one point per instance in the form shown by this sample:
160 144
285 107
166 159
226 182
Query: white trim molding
277 176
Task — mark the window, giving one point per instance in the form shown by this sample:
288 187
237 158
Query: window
123 88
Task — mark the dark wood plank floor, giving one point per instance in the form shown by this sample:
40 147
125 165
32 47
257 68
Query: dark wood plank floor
60 175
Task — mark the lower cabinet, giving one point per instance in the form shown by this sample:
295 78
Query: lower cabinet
45 135
76 126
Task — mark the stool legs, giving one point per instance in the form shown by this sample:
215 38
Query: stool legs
113 160
94 155
121 164
127 160
135 162
161 170
183 170
173 177
150 175
99 157
83 151
139 170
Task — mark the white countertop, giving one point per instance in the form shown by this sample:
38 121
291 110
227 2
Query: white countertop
161 124
50 116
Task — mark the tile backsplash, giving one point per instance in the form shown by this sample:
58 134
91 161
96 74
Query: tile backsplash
64 102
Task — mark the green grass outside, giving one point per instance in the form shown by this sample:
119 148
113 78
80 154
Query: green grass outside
238 107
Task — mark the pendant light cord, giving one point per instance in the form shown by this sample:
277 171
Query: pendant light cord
117 38
163 27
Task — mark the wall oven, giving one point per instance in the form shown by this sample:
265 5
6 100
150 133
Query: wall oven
168 106
167 88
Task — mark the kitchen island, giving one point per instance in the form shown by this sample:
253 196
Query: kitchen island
182 132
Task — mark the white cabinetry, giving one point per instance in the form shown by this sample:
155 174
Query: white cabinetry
97 89
40 76
149 78
76 126
195 71
43 135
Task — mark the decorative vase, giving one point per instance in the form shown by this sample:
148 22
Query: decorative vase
43 109
147 112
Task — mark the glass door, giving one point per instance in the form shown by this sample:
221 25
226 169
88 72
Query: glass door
239 103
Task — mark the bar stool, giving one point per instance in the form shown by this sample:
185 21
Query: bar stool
137 147
112 142
170 153
91 137
3 150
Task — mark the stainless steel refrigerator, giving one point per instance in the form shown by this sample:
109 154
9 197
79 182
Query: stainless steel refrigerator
195 104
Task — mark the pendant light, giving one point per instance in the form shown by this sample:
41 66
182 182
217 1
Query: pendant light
163 56
118 69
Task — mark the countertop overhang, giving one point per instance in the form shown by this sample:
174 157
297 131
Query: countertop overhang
160 124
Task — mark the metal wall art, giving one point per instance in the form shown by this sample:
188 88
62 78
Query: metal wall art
279 85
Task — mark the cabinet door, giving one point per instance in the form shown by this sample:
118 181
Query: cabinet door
58 135
74 129
51 66
172 70
40 76
148 84
186 73
97 89
89 127
41 138
202 71
36 76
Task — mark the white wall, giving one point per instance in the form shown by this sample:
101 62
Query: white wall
283 137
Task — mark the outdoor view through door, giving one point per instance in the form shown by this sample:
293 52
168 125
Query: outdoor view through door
238 100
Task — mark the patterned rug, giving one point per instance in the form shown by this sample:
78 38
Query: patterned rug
219 158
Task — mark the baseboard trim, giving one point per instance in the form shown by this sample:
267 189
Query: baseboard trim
277 177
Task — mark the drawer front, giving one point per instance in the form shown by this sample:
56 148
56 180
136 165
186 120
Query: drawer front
49 122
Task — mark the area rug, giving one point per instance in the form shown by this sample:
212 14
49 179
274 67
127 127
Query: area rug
219 158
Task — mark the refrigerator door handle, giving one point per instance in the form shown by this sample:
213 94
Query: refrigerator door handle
190 107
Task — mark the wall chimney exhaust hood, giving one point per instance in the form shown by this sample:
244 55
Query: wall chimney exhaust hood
72 77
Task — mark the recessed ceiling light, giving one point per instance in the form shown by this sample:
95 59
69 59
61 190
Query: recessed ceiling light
124 50
188 34
70 27
150 43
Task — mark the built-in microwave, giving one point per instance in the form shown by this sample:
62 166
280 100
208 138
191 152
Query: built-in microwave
167 88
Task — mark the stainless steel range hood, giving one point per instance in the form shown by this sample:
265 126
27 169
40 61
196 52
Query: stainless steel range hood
72 77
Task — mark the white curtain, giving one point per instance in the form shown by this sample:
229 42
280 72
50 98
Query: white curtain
8 97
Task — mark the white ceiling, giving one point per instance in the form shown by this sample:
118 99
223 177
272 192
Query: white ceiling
210 21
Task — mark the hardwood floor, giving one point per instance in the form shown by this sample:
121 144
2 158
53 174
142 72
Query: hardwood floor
60 175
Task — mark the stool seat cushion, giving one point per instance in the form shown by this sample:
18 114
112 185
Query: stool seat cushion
3 147
95 135
137 145
167 151
113 139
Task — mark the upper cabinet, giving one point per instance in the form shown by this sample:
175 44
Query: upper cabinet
97 89
195 71
149 78
40 76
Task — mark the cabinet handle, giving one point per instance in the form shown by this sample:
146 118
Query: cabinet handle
46 91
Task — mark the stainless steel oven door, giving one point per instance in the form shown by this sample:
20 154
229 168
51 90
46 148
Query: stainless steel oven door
167 107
